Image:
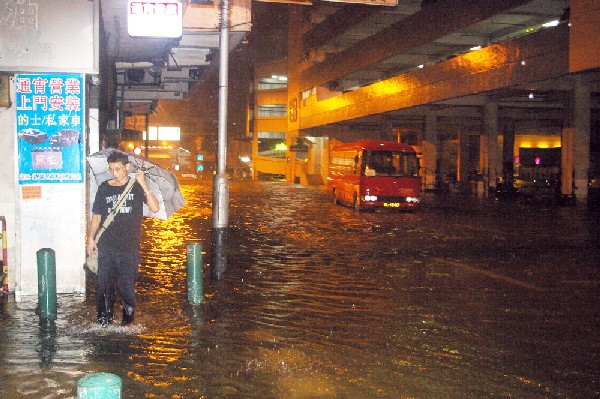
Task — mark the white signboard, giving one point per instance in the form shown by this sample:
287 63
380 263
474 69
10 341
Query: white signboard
154 18
49 35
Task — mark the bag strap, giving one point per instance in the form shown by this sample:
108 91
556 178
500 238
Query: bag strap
115 210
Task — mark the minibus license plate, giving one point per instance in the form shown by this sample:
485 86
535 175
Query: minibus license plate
391 205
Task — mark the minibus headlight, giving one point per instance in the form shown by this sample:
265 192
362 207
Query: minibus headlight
412 200
370 198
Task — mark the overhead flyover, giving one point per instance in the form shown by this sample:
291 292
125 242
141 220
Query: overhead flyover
536 57
423 55
445 68
410 32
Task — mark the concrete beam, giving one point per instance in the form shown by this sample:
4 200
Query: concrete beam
336 24
539 56
436 21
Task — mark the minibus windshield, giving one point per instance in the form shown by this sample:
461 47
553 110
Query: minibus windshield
390 163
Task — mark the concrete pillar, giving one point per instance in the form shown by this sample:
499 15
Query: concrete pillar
387 130
580 122
489 158
464 160
508 151
290 140
295 58
429 149
566 161
254 152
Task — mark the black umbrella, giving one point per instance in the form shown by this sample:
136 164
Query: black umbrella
162 183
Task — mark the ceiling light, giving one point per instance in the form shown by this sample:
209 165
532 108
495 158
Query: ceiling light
475 48
551 24
531 95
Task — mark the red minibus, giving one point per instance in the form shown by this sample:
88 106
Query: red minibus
371 174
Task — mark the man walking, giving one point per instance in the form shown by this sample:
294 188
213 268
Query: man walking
119 246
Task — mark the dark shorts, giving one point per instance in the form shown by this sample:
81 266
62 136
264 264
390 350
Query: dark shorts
117 271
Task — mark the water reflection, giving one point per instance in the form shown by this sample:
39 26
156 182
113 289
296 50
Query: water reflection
47 345
319 301
219 253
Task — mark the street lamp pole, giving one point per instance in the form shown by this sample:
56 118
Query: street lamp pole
220 182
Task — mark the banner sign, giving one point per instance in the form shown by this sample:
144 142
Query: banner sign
50 127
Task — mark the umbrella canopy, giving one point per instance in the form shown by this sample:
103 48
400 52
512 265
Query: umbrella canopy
162 183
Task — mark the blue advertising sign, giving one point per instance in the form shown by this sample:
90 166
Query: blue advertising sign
50 127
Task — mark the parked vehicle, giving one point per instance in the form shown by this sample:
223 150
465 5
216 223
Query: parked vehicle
33 136
65 138
372 174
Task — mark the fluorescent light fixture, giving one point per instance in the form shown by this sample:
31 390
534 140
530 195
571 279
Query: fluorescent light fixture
551 24
154 18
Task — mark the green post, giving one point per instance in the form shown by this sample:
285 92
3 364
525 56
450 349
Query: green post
99 386
46 283
194 272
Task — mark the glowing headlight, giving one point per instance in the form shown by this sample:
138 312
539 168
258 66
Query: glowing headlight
412 199
370 198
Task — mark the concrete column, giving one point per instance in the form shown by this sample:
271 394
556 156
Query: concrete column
566 161
429 149
290 140
508 151
295 56
464 159
580 109
254 152
489 159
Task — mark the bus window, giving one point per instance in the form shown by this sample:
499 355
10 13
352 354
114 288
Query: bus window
391 163
410 165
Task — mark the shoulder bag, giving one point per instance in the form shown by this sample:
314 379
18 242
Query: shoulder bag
91 262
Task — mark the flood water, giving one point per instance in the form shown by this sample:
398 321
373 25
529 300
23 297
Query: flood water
465 298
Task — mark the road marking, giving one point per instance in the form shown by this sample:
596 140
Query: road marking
491 274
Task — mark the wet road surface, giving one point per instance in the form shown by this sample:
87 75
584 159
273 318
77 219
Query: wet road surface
466 298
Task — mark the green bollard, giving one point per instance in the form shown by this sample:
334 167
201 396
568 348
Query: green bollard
46 283
99 386
194 272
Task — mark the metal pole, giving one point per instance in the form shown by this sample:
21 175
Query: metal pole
147 143
47 283
99 386
4 272
194 273
221 183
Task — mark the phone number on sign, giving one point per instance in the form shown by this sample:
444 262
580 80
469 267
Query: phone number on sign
50 176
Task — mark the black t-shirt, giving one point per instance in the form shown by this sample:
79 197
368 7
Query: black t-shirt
125 231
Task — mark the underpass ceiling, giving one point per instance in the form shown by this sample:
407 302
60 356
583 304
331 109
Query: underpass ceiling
332 30
151 69
545 99
500 27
